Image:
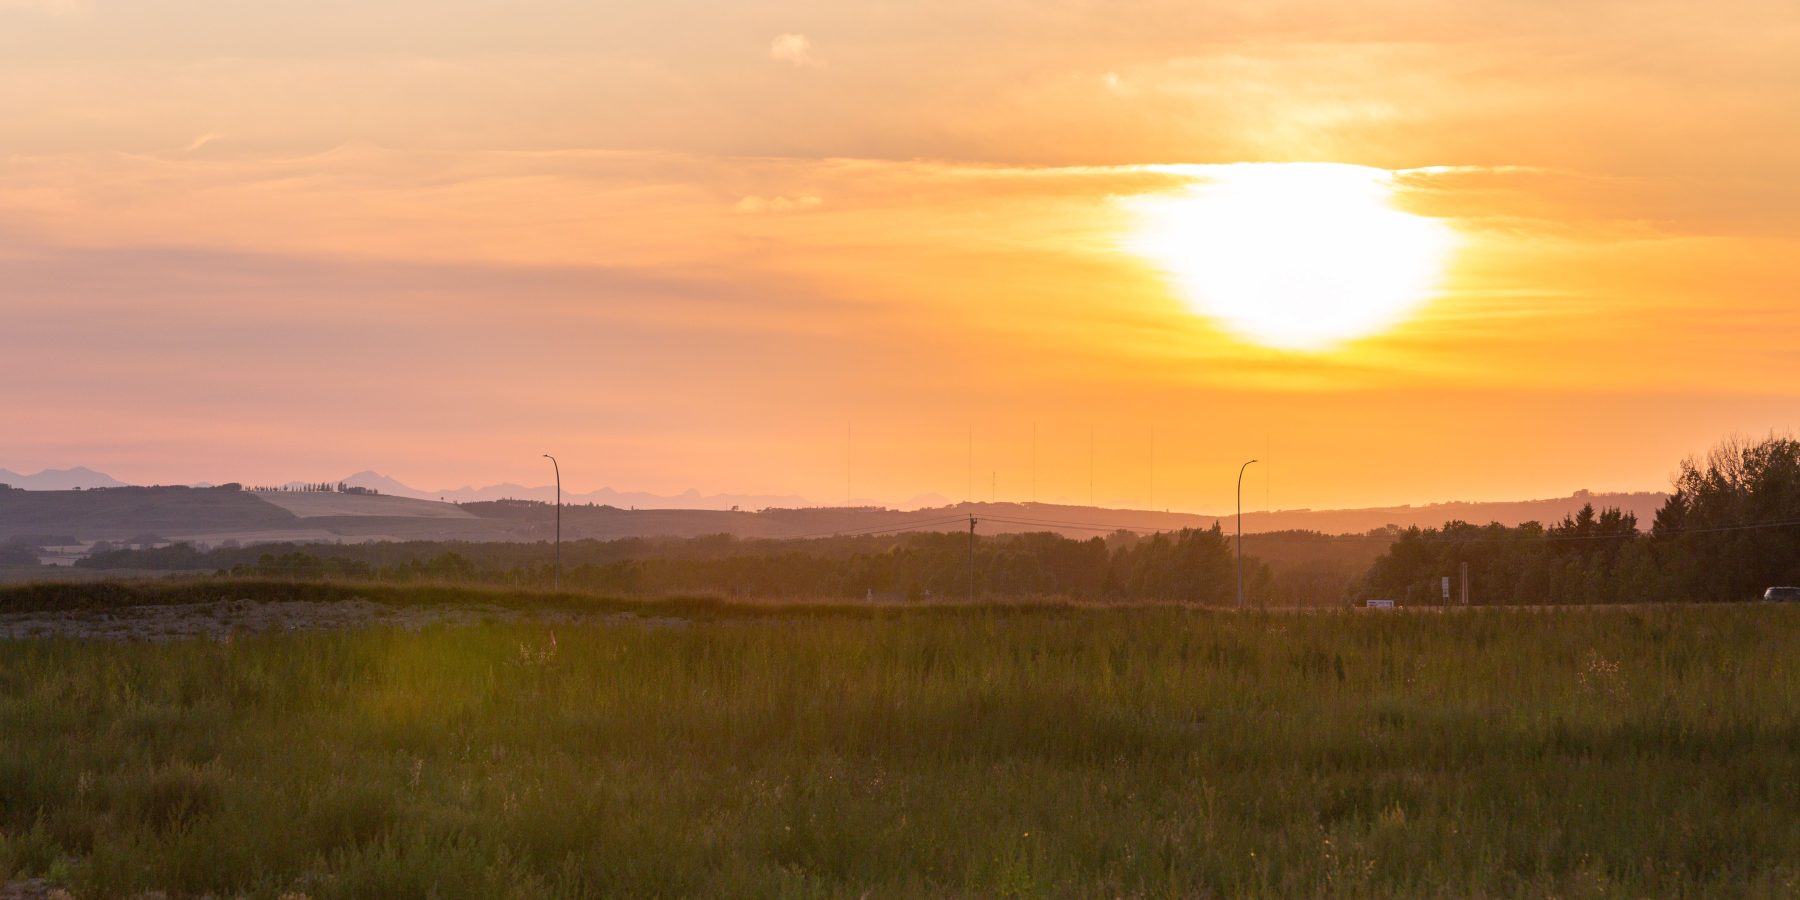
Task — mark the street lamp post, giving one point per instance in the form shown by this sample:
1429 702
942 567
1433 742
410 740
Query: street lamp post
557 583
1240 534
971 560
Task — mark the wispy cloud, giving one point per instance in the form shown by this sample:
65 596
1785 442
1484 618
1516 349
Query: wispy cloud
795 49
777 204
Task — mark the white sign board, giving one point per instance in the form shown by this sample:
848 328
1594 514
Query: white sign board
1381 604
1446 587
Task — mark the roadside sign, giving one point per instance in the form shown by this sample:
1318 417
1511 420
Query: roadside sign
1446 588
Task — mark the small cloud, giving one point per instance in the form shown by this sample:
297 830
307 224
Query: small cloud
795 49
1119 85
777 204
201 141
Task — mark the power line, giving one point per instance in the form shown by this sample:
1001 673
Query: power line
1087 526
902 526
276 566
1441 537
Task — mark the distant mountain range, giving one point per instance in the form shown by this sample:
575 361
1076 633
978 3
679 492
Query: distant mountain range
1074 519
83 478
689 499
80 477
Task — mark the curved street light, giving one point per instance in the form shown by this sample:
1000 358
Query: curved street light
1240 534
557 583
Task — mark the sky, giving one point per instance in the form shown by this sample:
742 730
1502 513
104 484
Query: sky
850 250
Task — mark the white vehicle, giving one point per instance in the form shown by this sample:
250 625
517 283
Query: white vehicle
1782 594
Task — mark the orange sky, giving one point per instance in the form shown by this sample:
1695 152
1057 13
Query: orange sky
689 244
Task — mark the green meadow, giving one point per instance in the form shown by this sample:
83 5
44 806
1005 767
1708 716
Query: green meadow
1022 751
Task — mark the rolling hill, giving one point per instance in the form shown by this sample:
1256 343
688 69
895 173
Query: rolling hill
213 515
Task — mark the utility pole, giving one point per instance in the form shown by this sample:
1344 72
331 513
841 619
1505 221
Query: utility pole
971 559
557 583
1465 584
1240 533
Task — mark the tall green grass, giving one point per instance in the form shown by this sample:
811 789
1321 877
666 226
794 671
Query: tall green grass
1059 752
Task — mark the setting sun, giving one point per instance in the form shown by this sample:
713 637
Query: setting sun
1298 256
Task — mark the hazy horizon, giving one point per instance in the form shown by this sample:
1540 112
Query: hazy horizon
723 500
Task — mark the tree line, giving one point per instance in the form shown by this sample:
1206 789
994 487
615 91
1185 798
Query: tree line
1193 565
1730 528
307 487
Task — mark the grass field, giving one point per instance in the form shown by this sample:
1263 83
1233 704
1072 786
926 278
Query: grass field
948 752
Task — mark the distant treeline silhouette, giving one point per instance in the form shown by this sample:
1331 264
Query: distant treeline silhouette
1730 529
1193 565
311 487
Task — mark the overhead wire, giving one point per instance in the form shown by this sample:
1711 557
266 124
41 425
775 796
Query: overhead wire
1439 537
1415 534
885 529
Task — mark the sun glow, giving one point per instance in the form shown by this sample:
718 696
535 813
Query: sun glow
1299 256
